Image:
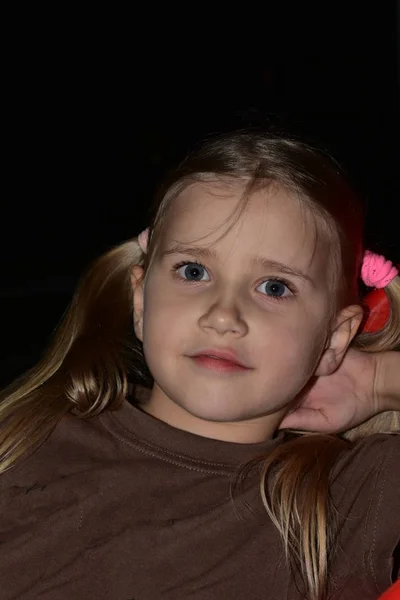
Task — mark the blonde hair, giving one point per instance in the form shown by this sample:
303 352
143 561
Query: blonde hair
86 367
94 354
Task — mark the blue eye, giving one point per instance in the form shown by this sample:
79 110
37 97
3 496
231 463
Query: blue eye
193 272
275 288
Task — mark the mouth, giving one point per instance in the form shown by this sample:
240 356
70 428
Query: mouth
222 361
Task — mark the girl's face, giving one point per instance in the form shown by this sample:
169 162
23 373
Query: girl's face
234 320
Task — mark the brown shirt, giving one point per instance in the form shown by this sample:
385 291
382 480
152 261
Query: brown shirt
125 507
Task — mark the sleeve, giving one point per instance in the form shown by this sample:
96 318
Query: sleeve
382 539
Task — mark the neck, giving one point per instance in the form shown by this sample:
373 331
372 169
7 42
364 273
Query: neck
249 431
387 384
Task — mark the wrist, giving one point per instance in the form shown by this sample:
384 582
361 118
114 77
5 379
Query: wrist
387 381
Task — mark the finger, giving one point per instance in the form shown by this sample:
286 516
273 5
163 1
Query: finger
306 419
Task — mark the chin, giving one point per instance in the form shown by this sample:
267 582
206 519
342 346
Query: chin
219 412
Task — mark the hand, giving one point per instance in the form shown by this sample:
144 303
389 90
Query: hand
340 401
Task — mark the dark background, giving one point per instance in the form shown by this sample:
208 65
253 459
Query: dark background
95 117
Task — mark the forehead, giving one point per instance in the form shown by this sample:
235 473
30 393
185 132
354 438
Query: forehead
270 222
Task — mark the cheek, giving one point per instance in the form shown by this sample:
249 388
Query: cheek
298 339
166 317
166 299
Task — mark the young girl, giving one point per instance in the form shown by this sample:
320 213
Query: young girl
244 295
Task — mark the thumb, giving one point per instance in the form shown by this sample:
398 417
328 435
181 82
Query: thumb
306 419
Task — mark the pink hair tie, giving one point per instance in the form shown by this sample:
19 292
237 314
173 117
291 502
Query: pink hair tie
143 240
376 271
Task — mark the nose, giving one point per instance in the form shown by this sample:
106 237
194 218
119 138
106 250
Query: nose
224 317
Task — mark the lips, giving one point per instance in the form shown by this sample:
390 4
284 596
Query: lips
221 360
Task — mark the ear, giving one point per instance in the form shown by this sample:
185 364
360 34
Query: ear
344 329
137 279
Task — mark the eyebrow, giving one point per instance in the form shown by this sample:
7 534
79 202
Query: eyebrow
198 252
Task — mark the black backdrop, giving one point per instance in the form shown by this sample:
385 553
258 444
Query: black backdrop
93 127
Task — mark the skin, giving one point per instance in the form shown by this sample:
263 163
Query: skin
283 334
364 385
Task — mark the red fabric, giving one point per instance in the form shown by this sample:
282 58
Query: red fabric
393 593
377 311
